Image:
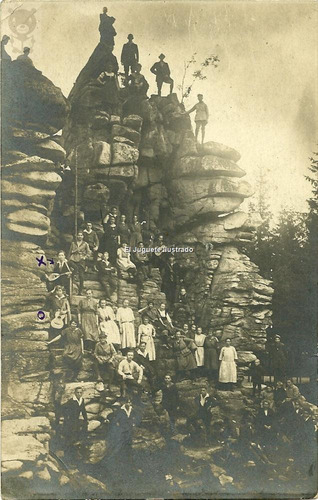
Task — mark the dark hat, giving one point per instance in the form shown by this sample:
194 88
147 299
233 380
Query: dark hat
103 336
130 35
162 56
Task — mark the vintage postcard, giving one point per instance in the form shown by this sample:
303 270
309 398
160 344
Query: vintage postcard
159 249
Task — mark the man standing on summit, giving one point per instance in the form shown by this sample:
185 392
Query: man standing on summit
129 55
162 71
106 28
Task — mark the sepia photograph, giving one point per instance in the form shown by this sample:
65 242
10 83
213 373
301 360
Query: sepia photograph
159 249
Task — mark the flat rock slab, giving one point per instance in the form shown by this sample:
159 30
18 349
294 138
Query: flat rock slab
206 166
25 426
217 149
25 448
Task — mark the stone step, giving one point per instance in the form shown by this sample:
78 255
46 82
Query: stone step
93 285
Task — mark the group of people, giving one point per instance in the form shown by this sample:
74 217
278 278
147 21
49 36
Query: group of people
22 58
167 328
133 78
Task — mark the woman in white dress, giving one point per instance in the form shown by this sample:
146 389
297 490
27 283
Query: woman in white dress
126 319
199 339
146 333
106 318
123 260
227 373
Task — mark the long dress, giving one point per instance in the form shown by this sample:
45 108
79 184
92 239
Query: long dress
227 373
88 311
73 344
185 358
163 316
199 353
126 318
124 232
211 359
107 324
123 260
146 333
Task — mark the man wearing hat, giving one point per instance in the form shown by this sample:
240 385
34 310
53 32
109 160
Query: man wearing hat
278 357
162 71
201 117
104 355
24 58
129 55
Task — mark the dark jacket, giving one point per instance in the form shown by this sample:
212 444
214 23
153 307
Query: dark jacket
72 411
256 372
262 419
161 71
203 412
170 398
129 54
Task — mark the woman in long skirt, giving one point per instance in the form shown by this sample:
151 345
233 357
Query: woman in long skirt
211 357
107 325
146 333
227 373
185 359
199 339
126 320
88 319
73 348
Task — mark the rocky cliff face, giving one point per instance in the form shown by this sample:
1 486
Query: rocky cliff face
141 155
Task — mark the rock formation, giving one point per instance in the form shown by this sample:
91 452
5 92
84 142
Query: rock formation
140 155
146 161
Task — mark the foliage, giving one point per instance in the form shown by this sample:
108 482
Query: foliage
197 74
286 252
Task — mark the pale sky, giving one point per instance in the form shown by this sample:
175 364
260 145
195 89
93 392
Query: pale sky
263 96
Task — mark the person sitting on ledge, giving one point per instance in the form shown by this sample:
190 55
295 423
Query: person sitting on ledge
123 261
104 356
162 71
108 79
131 374
201 117
24 58
137 82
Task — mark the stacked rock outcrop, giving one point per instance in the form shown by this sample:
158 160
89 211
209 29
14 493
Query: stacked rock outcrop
34 110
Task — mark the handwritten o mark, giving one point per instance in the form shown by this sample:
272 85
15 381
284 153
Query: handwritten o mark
41 314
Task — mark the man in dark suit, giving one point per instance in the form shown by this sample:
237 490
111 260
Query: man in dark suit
265 425
170 400
203 405
129 55
142 358
162 71
170 279
75 417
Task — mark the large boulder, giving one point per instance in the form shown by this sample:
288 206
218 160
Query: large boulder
212 166
217 149
31 97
